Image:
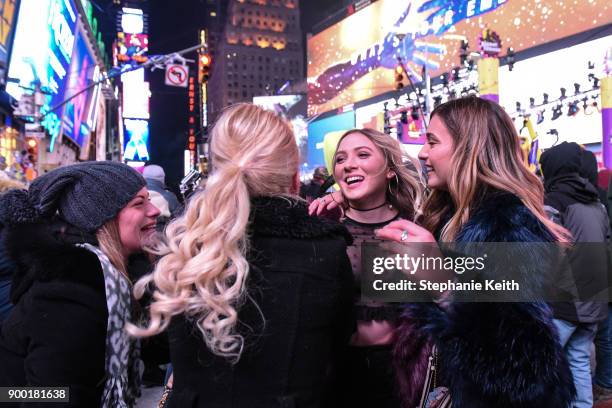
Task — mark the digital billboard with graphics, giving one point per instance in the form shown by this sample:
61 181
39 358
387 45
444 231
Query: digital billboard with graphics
292 108
355 59
42 50
8 16
79 113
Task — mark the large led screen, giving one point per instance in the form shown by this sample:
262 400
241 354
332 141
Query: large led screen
316 135
136 139
78 121
534 77
293 109
44 40
355 59
8 16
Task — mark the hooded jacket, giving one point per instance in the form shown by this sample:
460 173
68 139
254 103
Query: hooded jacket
580 210
502 355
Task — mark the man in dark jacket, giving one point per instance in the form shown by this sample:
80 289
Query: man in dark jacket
312 190
575 202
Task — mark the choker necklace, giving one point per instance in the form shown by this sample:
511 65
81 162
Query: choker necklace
368 209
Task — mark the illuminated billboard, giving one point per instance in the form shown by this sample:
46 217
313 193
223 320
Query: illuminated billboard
346 65
319 129
136 94
292 108
132 48
136 139
43 45
8 17
534 77
79 114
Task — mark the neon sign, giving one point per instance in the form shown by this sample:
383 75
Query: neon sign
137 139
42 49
83 71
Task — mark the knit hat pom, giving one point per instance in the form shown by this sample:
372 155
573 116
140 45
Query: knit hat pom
15 208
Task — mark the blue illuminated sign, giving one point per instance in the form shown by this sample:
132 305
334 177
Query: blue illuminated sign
43 45
80 76
136 136
317 131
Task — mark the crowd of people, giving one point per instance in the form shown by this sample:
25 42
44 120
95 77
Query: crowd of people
256 291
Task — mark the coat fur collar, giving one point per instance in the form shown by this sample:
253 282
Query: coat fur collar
285 217
502 217
503 355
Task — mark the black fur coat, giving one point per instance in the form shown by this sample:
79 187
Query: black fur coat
56 333
502 355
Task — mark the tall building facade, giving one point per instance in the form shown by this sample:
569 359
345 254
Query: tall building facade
259 52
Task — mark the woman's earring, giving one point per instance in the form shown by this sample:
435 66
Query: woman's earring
394 194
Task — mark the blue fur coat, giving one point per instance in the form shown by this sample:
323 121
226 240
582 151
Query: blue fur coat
502 355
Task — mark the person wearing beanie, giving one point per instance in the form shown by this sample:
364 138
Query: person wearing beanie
70 236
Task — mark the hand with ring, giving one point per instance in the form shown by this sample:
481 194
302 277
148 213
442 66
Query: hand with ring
405 231
325 203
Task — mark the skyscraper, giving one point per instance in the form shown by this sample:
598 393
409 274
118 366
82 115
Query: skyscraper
260 50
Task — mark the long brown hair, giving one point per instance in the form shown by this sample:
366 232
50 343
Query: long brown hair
404 191
487 156
109 241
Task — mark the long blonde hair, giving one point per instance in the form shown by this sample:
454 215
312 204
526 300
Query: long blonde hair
404 191
203 271
487 156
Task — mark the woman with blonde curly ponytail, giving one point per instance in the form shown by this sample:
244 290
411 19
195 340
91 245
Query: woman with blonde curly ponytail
254 292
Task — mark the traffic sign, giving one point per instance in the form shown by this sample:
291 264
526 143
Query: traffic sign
177 75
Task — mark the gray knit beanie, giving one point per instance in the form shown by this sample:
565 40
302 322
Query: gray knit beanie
85 195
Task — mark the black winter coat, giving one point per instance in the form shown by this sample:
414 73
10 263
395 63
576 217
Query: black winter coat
56 333
502 355
300 278
575 204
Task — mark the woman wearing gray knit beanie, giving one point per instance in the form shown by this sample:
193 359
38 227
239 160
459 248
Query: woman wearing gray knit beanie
70 236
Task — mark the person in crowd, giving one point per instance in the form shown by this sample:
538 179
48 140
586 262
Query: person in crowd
163 199
569 173
376 188
70 236
602 382
488 354
575 203
3 174
588 170
255 294
7 267
312 190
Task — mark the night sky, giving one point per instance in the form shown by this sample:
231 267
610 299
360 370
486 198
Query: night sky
170 30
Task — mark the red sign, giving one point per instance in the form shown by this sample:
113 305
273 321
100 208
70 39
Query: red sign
177 75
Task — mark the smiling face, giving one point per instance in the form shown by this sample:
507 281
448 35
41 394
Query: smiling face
361 170
137 222
437 153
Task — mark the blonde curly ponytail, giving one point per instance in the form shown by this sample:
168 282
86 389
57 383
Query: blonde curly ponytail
203 271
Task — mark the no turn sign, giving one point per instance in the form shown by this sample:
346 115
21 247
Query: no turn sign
177 75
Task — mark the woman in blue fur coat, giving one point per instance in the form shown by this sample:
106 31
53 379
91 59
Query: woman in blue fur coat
502 355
